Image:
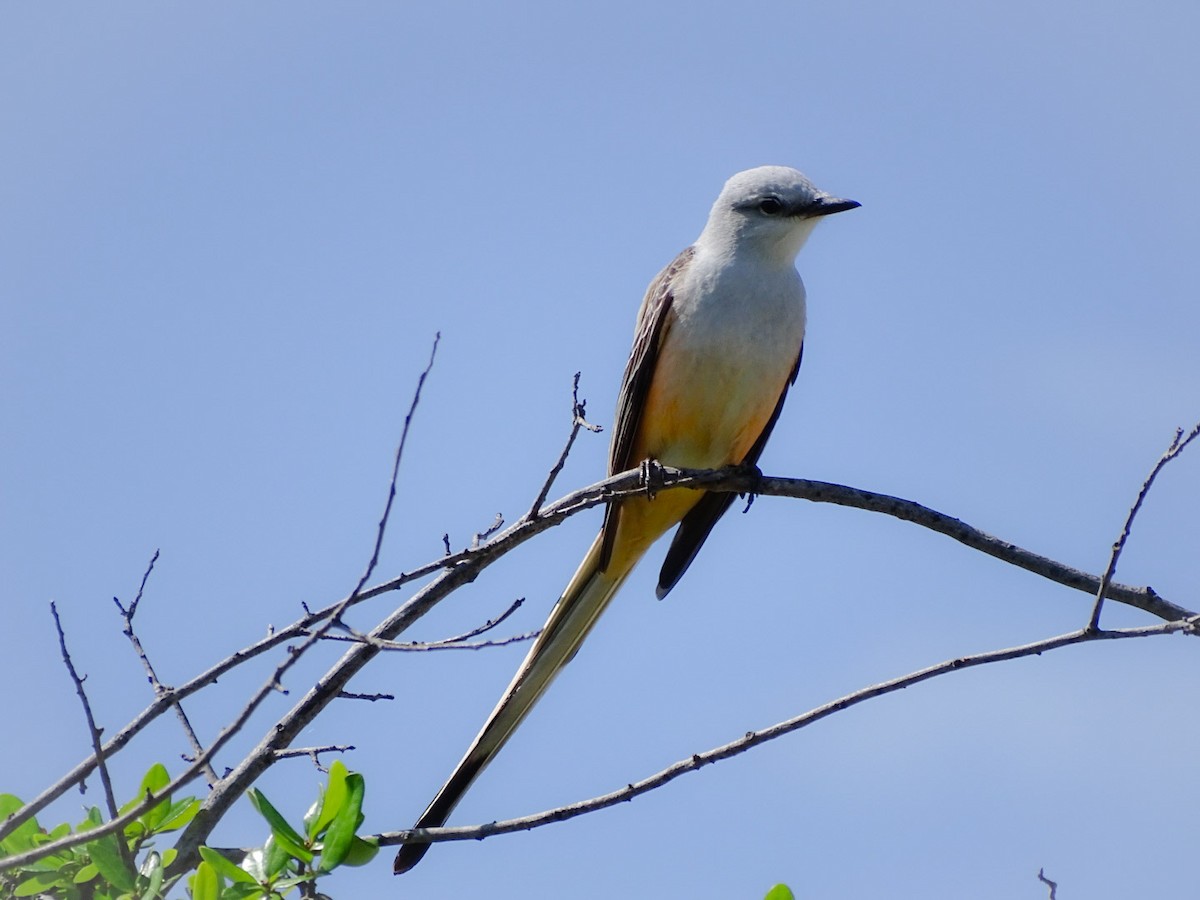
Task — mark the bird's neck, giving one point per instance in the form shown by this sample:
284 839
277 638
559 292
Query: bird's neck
770 250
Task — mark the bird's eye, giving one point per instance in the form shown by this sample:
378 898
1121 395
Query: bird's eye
770 206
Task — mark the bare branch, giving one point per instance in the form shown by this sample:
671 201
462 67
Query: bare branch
481 629
1053 885
462 567
458 642
94 731
158 687
350 695
1144 598
420 647
754 738
578 409
481 536
141 588
387 507
1177 447
314 753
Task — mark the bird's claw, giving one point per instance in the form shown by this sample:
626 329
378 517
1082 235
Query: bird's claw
651 475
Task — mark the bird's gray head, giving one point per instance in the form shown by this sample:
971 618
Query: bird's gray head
770 210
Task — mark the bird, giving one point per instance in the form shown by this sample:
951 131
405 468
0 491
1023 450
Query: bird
718 343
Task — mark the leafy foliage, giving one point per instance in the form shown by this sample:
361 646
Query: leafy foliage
125 865
106 868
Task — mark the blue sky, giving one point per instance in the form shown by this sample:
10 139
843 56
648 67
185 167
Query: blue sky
229 233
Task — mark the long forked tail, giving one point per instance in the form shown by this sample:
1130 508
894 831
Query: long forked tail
580 606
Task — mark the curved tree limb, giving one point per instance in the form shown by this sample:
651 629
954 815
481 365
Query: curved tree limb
463 567
754 738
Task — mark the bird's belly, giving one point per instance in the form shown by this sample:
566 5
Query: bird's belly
706 406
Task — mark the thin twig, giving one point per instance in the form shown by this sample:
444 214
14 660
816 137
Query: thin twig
314 753
450 643
480 537
142 587
480 629
387 507
94 731
754 738
419 647
1053 885
578 410
158 687
1177 447
350 695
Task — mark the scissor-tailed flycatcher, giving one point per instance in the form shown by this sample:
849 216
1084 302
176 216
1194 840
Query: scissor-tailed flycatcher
718 343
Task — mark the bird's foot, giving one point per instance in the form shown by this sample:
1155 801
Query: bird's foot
752 472
652 477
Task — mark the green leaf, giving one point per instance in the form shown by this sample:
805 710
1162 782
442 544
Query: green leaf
249 892
180 813
276 857
331 801
340 833
93 819
225 867
87 873
22 837
153 782
106 854
780 892
283 885
206 883
9 804
361 852
279 826
54 861
38 884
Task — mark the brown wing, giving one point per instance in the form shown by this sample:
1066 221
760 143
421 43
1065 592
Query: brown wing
651 328
695 527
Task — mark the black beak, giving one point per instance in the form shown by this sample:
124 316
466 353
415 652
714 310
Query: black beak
827 206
